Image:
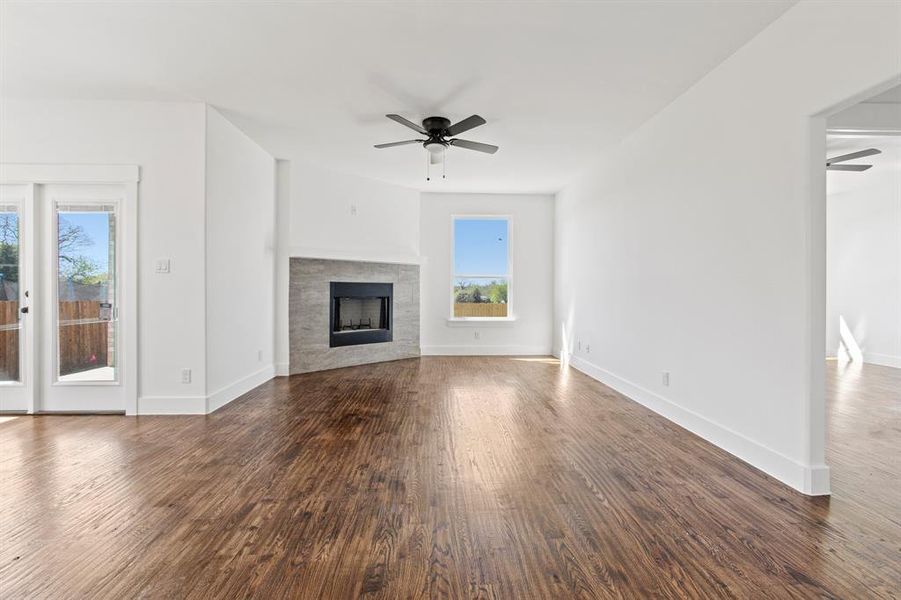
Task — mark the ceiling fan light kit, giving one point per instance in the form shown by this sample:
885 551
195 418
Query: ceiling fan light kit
440 135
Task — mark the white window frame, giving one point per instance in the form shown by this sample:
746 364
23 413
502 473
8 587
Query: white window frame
53 250
20 205
508 276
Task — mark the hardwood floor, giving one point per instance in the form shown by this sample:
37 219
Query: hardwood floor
442 477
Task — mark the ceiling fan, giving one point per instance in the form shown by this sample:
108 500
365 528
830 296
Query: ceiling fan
437 132
832 166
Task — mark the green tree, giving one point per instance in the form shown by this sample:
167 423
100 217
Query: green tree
498 293
72 240
9 247
80 269
73 265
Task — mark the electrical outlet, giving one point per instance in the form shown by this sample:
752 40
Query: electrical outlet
353 209
186 375
587 348
579 344
259 355
665 378
476 335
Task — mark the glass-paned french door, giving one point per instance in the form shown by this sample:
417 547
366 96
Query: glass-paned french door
60 265
10 335
10 290
85 292
16 329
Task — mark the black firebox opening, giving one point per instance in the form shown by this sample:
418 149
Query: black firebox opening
360 313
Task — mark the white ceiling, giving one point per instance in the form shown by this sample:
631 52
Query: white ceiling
557 81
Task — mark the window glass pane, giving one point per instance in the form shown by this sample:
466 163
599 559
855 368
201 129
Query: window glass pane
86 293
480 246
480 297
9 294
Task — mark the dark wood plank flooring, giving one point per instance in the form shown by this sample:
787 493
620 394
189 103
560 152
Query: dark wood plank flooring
440 477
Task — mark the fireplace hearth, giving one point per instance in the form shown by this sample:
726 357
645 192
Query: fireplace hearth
360 313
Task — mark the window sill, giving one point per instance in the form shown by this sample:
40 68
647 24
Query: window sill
481 321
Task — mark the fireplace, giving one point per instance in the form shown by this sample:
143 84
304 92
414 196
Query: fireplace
360 313
315 344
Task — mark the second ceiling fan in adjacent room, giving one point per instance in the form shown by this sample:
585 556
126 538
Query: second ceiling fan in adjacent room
832 163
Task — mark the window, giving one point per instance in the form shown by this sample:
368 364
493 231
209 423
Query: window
86 292
10 325
481 279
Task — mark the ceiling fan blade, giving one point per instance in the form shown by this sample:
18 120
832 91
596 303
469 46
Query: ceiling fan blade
393 144
407 123
853 155
478 146
847 167
465 125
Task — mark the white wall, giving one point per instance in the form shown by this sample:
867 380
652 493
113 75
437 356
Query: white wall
333 215
240 261
532 245
323 214
167 141
864 267
698 246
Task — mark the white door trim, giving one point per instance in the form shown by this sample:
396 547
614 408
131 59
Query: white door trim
128 176
26 173
27 384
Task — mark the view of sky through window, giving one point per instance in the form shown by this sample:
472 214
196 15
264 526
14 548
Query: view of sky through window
93 240
480 246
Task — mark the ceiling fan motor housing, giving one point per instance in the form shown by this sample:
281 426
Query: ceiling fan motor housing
435 125
438 131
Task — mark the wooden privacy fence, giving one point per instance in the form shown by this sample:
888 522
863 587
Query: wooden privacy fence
479 309
9 341
84 340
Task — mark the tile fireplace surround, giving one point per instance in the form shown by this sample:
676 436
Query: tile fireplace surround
309 300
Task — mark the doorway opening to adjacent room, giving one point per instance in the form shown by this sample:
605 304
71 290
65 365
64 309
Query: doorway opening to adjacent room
856 392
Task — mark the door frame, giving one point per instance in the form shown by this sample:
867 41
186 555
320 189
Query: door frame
813 430
128 176
28 371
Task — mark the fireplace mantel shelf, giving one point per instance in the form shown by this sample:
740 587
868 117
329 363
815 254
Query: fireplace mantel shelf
327 254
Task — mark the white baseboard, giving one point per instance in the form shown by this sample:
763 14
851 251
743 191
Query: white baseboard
812 480
223 396
282 369
482 350
203 405
885 360
171 405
